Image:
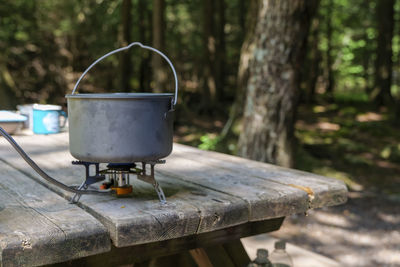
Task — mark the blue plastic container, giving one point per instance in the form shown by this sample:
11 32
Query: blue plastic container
46 119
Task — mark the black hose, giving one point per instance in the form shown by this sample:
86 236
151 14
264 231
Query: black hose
41 172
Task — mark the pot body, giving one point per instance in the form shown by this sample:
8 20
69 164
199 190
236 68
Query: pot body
120 127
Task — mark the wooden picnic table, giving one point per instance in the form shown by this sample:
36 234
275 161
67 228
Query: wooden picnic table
213 200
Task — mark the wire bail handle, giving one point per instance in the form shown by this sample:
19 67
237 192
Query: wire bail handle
126 48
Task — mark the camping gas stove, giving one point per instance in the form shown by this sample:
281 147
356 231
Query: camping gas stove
116 177
116 127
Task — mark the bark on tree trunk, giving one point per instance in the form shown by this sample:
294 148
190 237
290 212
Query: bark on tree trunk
144 68
8 97
383 64
281 30
242 15
160 74
329 58
367 63
246 53
315 60
220 51
126 64
209 83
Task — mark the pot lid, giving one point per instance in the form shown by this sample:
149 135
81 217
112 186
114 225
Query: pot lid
122 95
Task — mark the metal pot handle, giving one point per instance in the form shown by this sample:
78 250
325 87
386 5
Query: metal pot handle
125 48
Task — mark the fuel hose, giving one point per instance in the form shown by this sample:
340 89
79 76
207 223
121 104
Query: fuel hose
42 173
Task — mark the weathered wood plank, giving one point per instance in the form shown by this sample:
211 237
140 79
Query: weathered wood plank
325 191
39 227
190 209
266 199
142 219
206 191
140 253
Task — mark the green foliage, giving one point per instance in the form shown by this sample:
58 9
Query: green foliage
47 44
353 41
217 143
391 152
354 96
209 142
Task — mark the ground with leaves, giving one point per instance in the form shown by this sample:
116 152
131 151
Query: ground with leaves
351 141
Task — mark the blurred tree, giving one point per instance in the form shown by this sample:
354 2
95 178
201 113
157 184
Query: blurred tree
312 71
8 98
220 59
329 53
280 36
383 63
46 46
242 14
159 71
246 55
145 23
209 55
125 57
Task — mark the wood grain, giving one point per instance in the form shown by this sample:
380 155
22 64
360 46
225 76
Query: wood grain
326 191
39 227
145 252
206 191
141 218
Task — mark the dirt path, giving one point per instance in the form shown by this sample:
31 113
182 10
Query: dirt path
363 232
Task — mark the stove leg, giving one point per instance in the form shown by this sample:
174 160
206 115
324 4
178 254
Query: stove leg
160 193
75 199
151 180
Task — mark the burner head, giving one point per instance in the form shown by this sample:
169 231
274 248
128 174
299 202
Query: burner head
121 166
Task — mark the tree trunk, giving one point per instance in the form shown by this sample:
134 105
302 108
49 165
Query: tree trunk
329 58
220 50
367 53
144 68
209 83
159 71
315 60
383 64
246 53
366 63
8 97
281 30
126 64
242 15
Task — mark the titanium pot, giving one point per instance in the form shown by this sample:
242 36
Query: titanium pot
121 127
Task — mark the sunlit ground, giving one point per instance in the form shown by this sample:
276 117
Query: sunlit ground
351 141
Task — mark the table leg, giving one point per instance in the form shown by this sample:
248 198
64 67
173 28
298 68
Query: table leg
201 258
231 254
182 260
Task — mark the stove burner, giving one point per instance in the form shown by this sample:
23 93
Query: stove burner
116 177
121 166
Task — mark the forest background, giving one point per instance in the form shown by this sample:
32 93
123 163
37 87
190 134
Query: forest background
346 110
